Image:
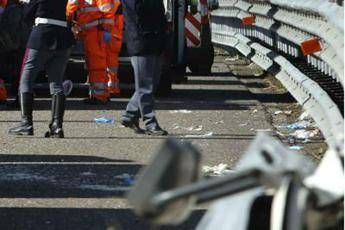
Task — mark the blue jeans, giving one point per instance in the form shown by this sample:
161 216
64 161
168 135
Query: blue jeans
53 61
147 71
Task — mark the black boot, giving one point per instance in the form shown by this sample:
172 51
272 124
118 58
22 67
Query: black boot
26 126
58 110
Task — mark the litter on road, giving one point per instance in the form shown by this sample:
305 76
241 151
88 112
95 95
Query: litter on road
300 125
192 128
286 112
180 111
296 147
305 134
104 120
217 170
209 134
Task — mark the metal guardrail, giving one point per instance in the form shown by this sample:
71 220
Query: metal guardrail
273 42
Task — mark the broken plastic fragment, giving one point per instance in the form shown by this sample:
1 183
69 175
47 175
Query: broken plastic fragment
104 120
217 170
296 147
305 134
286 112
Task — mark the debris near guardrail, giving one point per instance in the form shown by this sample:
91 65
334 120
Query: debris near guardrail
274 43
240 66
216 170
297 129
300 130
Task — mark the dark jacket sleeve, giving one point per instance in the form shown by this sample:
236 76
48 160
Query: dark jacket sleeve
30 11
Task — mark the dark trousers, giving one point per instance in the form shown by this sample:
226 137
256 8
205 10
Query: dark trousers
147 71
53 61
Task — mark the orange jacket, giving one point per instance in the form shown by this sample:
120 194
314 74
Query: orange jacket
91 13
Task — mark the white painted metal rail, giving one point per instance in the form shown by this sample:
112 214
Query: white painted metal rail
281 28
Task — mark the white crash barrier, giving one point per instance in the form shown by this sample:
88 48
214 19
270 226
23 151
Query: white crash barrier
331 11
306 91
243 5
297 27
260 8
264 22
226 3
314 25
227 12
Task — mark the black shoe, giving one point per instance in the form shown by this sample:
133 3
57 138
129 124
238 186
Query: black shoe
58 109
94 101
133 125
156 131
26 126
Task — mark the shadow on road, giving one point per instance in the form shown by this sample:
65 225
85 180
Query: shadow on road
32 176
78 218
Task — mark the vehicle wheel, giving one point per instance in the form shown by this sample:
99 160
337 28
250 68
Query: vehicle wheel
200 70
164 86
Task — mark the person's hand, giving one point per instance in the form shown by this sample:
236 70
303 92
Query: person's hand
76 30
106 36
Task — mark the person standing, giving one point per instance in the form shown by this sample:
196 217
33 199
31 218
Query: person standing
145 28
48 48
93 22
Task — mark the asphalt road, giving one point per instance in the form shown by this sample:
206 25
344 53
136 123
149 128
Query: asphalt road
71 183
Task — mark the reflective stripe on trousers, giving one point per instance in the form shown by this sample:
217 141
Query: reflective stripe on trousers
97 88
96 23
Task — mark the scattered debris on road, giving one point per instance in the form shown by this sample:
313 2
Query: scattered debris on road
305 134
104 120
217 170
286 112
192 128
209 134
296 147
185 111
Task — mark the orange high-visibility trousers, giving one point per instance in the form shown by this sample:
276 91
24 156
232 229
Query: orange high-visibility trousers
94 18
113 51
95 56
3 91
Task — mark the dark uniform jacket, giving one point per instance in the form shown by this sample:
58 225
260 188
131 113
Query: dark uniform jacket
45 36
145 26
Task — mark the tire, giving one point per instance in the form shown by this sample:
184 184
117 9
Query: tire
165 84
200 60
